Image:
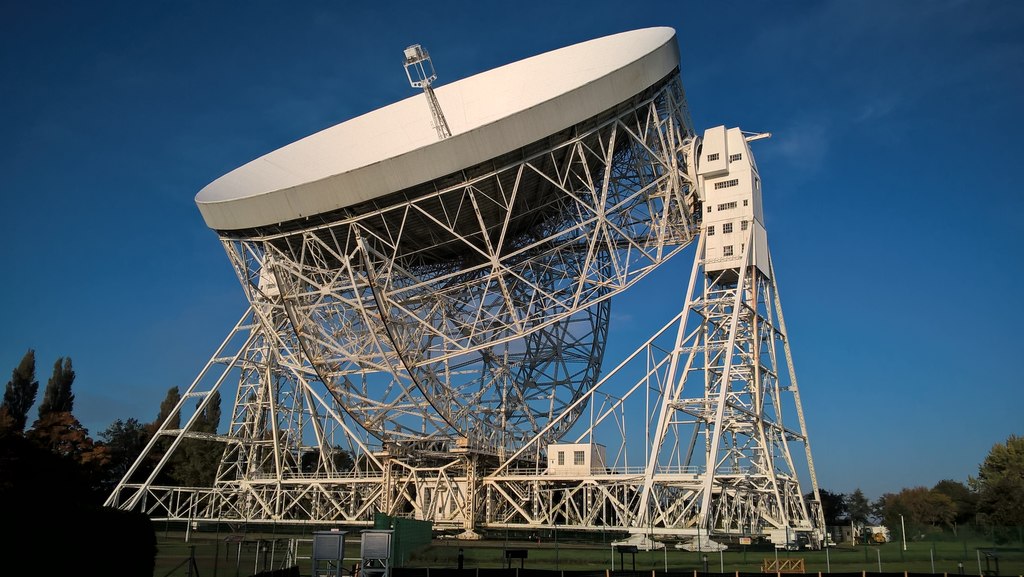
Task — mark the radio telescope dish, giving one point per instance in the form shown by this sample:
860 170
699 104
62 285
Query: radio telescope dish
459 289
429 308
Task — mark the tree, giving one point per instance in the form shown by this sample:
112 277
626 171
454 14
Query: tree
160 447
1000 484
59 432
918 506
58 398
125 441
20 394
196 459
833 506
338 459
166 406
858 508
965 502
34 479
39 488
62 434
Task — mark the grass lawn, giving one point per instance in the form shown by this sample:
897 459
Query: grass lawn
919 558
224 554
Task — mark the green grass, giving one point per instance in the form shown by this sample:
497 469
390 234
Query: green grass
227 554
218 556
917 559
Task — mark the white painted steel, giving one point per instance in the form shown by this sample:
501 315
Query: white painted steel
419 65
719 463
450 379
395 147
479 310
720 458
449 328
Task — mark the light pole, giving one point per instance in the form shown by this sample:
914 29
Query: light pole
903 530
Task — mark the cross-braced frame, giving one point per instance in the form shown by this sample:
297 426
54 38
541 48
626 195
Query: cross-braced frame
717 458
420 354
449 323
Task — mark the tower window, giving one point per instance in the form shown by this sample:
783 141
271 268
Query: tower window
743 225
712 157
709 208
711 230
727 205
578 457
745 202
735 157
561 457
727 250
727 183
727 228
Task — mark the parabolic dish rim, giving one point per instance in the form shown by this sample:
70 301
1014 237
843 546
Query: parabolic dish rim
396 147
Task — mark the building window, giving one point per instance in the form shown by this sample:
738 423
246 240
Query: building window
727 250
561 457
578 458
712 157
727 184
745 202
727 205
711 230
727 228
735 157
709 208
743 225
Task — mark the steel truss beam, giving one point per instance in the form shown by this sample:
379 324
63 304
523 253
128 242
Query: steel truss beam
718 458
442 342
478 311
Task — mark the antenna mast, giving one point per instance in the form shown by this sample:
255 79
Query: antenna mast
420 71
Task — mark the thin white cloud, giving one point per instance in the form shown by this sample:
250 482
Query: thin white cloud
803 145
879 107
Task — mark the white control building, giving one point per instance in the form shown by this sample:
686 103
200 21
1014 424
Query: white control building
733 217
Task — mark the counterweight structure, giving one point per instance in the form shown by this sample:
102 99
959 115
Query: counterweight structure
426 338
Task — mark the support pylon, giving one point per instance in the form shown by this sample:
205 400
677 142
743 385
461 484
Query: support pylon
731 376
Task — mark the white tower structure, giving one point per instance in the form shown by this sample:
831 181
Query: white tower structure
428 312
720 461
733 212
731 371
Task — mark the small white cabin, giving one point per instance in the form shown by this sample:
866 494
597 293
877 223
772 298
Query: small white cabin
576 459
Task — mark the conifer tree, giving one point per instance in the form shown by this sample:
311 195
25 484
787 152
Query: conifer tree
58 398
166 406
20 394
57 430
164 442
196 460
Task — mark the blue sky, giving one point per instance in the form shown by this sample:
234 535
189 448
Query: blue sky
892 205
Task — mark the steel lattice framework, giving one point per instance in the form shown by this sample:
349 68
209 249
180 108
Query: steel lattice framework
479 310
471 315
719 456
418 354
